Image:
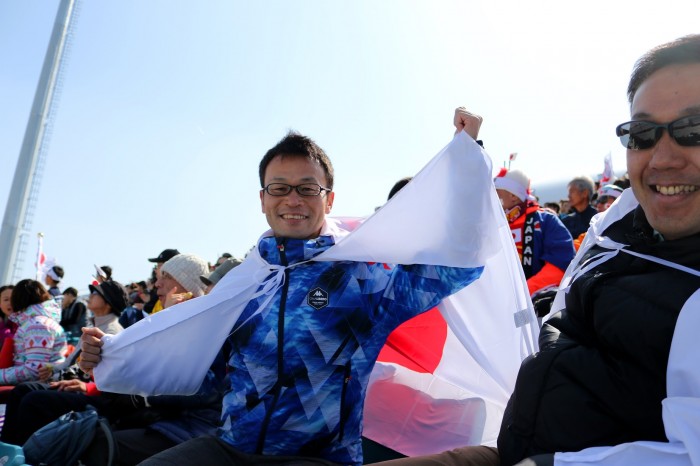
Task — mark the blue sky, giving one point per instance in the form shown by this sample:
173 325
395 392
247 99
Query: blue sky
168 106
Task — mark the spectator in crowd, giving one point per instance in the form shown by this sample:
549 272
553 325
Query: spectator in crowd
299 369
544 245
606 196
39 338
564 208
73 313
137 300
53 277
212 278
7 326
221 260
616 379
154 304
553 207
581 190
107 301
179 279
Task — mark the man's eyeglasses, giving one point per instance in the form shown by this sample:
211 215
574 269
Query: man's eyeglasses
640 135
305 189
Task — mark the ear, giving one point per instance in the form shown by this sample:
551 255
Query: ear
262 201
329 201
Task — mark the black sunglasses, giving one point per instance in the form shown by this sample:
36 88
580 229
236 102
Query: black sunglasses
640 135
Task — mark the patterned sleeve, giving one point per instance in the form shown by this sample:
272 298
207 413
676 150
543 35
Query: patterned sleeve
418 288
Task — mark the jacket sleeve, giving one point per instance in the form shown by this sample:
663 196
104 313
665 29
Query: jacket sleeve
558 246
415 289
91 389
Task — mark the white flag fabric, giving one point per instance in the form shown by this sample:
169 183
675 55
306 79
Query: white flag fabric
681 408
460 402
449 215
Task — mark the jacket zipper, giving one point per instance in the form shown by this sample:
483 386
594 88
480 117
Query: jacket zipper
346 381
280 350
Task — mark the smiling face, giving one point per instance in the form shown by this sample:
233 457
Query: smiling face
666 178
294 215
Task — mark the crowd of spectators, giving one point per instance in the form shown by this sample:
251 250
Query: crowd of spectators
39 332
598 383
40 386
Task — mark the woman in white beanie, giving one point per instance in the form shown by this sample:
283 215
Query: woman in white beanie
179 279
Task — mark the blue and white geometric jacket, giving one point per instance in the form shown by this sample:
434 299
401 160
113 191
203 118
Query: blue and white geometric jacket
299 370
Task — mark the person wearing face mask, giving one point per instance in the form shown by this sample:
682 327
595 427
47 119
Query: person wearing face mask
544 244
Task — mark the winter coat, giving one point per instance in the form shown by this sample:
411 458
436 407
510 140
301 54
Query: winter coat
39 340
600 375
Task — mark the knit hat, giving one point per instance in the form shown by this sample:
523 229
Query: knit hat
513 181
213 278
186 269
113 293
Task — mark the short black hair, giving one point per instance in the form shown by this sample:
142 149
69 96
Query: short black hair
553 205
296 145
398 186
682 51
71 291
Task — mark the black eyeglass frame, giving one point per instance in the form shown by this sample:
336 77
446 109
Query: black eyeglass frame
290 187
628 140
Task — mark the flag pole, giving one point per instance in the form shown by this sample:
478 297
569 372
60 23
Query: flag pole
39 255
511 157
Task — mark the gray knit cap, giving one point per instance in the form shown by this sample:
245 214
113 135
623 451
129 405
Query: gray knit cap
186 269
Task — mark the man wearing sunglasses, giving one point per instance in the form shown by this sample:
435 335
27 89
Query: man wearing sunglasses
617 379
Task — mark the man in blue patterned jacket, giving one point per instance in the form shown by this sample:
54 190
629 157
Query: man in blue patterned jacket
299 369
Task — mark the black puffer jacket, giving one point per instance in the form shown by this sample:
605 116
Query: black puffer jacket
600 375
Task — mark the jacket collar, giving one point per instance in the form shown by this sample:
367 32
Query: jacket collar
48 308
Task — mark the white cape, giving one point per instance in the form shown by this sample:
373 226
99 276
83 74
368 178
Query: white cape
681 408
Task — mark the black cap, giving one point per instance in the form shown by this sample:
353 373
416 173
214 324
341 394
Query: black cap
165 256
113 293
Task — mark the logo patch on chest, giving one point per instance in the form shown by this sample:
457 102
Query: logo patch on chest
317 298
